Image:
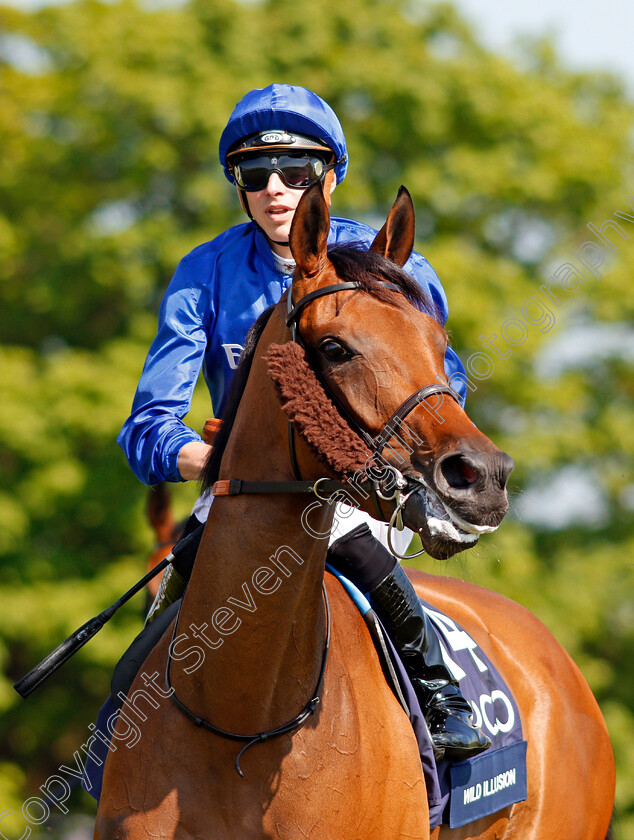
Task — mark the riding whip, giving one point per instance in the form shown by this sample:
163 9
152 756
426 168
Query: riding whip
78 639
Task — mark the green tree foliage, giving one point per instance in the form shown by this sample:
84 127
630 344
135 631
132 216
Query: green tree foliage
111 115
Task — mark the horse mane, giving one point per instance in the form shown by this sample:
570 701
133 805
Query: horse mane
238 384
371 270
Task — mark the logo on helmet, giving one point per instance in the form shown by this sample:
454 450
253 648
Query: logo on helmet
272 137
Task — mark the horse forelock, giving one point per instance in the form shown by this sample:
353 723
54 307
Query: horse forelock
353 263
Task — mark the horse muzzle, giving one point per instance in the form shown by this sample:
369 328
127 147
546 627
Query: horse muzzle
468 499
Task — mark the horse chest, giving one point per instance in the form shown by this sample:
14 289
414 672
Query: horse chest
355 770
352 771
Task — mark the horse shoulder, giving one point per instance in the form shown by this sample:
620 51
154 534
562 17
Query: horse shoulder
374 753
354 765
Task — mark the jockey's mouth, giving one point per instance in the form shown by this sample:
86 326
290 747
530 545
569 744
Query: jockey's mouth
278 210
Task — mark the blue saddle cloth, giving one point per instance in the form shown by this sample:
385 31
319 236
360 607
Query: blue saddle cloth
457 793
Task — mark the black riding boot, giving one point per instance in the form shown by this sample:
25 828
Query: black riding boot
446 711
362 558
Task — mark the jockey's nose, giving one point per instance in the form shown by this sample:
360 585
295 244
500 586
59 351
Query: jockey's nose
275 184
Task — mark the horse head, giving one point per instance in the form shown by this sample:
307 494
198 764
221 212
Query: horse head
378 350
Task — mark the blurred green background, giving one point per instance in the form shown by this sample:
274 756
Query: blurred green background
110 116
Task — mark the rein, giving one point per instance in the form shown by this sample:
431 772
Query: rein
259 738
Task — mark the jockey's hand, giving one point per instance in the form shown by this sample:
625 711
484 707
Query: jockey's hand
192 458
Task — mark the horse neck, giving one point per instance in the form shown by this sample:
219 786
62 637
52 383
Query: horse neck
257 581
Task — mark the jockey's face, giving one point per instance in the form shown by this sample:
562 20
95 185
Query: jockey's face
273 209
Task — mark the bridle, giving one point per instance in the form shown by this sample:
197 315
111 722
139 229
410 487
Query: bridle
400 486
388 483
401 489
376 444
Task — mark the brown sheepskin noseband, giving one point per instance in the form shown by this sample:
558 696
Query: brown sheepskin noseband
312 413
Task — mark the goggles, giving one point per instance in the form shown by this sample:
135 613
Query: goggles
297 171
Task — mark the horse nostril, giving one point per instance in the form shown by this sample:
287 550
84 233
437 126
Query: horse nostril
458 472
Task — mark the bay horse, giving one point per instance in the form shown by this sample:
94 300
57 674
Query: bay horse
247 650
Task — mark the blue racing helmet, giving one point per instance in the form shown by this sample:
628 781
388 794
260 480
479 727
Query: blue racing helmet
288 109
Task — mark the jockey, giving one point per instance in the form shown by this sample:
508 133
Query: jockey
278 141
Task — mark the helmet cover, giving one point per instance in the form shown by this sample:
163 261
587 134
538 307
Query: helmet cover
288 109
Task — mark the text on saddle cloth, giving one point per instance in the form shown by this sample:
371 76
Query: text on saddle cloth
497 778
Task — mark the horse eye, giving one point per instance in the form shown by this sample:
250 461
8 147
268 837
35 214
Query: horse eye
334 351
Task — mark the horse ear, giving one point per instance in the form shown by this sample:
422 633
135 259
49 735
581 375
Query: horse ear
309 232
395 240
